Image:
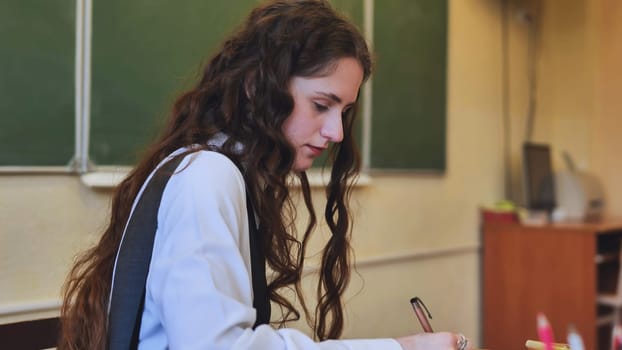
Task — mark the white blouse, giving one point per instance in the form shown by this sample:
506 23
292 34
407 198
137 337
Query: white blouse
199 289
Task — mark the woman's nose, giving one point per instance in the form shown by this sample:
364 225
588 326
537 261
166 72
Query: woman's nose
332 129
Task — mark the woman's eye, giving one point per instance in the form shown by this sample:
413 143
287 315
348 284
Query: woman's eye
320 107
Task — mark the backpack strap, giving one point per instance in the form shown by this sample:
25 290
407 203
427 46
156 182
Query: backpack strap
261 299
130 276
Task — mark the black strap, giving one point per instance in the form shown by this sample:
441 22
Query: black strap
128 293
261 299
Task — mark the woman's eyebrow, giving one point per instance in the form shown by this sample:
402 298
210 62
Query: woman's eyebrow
329 95
333 97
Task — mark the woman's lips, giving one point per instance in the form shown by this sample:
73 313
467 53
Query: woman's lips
316 151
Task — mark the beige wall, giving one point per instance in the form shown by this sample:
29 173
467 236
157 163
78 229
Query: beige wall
606 134
47 219
579 75
566 80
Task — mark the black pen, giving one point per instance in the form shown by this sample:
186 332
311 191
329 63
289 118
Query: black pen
423 320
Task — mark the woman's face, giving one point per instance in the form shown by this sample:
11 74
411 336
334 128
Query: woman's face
319 103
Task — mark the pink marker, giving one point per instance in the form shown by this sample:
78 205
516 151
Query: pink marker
616 341
545 332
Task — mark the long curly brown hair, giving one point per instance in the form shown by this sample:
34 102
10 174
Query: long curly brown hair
244 93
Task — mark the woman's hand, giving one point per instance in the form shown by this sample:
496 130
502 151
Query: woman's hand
435 341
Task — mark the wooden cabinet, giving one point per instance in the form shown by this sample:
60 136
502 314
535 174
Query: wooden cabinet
552 269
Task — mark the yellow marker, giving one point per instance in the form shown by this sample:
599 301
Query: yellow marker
538 345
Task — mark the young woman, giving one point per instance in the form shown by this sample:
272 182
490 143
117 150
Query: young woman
280 92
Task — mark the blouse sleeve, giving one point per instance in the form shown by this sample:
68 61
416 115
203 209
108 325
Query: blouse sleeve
199 285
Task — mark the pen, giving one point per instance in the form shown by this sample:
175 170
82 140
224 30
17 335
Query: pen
574 339
423 320
545 332
538 345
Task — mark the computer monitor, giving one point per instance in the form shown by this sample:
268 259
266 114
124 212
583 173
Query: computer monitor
538 177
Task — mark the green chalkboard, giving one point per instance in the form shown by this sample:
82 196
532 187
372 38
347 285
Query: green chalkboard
409 86
37 82
146 52
351 9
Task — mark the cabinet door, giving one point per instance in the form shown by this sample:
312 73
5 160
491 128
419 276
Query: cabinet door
537 269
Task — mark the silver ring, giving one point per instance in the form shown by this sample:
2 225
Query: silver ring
462 342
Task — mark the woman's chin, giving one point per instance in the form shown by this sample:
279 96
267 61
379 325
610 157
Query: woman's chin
301 166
